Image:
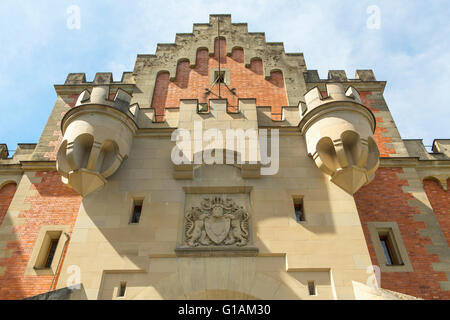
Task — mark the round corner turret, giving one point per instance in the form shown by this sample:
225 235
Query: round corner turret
97 137
339 136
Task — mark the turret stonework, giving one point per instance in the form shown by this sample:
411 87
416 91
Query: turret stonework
97 137
221 167
339 136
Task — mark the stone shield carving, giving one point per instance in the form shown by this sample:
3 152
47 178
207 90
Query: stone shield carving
217 222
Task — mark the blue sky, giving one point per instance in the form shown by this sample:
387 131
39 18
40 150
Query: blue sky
410 50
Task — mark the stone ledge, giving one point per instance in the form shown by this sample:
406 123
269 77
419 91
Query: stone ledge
231 251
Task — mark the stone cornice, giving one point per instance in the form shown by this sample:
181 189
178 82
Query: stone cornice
356 83
415 162
23 166
66 89
391 162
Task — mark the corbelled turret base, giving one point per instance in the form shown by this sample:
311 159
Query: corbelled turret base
85 181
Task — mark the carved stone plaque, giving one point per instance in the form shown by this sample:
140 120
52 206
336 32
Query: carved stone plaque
216 223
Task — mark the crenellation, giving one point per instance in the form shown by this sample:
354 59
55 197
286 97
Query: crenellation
337 75
183 37
101 95
224 18
309 198
239 28
258 34
198 28
280 45
442 146
312 76
365 75
416 148
165 47
25 148
236 35
146 56
294 54
4 153
103 78
24 151
128 77
75 78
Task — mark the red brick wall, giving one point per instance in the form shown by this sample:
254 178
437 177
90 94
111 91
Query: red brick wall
191 83
384 200
54 203
379 139
440 202
6 196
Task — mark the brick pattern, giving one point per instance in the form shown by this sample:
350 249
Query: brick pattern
381 140
440 202
191 83
385 200
6 195
52 203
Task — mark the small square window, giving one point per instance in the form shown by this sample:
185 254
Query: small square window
137 211
202 108
219 76
298 209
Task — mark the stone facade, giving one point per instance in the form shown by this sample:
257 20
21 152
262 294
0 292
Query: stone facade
302 223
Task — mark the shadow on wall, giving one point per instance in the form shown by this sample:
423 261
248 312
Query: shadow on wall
144 241
7 191
10 285
47 202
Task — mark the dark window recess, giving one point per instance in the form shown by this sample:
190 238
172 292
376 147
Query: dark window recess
137 210
219 77
202 108
51 253
387 254
391 254
122 289
311 288
299 211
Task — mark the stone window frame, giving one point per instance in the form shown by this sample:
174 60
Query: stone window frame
132 198
46 233
117 290
297 194
392 228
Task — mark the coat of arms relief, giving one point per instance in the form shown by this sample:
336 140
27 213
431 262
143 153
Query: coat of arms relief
217 222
